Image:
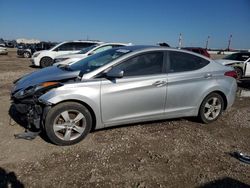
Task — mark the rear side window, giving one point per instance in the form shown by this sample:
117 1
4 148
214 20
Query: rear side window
144 64
181 62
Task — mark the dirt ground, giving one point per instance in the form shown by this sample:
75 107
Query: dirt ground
171 153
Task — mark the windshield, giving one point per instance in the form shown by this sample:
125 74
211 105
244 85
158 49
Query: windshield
85 50
231 57
95 61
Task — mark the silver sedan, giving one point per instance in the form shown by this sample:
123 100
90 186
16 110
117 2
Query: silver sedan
127 85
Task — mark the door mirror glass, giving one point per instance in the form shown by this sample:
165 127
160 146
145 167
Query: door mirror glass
115 73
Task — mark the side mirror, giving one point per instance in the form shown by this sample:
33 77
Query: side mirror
115 73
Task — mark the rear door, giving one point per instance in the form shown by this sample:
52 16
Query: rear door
140 94
188 77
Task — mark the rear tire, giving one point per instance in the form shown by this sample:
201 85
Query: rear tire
46 62
68 123
211 108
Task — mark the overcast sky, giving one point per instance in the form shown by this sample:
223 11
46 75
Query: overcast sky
136 21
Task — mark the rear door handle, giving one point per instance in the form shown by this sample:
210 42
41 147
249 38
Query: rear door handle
208 75
159 83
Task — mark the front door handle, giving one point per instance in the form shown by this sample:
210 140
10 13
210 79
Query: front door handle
159 83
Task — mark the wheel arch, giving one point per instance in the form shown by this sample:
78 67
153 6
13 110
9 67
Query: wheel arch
221 94
223 97
46 56
93 115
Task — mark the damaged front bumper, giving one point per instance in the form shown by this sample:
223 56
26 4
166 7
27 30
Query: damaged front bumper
32 110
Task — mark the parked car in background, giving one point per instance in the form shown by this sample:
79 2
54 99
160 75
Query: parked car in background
45 58
27 50
164 44
72 58
10 43
201 51
3 51
239 61
120 86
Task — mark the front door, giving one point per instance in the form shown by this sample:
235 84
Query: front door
139 95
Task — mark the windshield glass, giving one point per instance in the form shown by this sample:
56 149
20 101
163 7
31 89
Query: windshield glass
85 50
95 61
231 57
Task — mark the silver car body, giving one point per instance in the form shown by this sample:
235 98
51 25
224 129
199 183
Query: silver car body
145 98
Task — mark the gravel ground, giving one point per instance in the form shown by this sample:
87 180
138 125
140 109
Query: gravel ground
171 153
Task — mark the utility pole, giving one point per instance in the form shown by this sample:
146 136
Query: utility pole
207 41
180 41
229 42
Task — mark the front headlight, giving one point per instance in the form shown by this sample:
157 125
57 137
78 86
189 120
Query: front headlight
60 59
33 89
24 92
46 85
36 54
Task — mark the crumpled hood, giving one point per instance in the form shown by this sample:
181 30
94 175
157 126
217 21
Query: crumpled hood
226 61
44 75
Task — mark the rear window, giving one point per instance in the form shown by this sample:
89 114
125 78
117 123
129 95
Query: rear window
181 62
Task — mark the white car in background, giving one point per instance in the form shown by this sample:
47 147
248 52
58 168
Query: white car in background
239 61
3 51
45 58
72 58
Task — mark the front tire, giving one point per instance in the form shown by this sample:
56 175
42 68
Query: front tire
211 108
46 61
68 123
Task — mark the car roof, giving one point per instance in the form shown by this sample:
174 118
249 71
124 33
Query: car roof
141 47
194 48
138 48
82 41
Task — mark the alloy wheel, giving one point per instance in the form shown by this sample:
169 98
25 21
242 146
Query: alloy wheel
213 108
69 125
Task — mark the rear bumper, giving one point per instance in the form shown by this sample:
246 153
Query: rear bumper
231 95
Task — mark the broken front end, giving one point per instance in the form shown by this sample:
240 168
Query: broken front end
26 105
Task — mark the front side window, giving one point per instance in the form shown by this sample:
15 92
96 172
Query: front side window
145 64
232 57
180 62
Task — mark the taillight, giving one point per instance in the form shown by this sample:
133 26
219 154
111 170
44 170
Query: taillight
231 74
